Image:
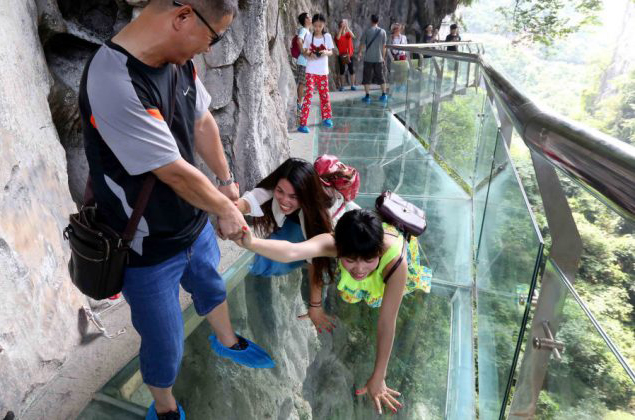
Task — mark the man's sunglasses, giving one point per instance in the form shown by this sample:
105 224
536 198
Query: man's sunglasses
216 37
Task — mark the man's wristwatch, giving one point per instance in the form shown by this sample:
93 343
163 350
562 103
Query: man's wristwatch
227 182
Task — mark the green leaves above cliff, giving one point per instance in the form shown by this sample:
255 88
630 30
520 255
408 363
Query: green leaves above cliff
544 21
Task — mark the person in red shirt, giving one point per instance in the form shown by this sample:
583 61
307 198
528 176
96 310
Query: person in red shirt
344 43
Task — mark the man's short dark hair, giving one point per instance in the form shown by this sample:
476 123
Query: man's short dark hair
217 9
374 18
454 26
302 18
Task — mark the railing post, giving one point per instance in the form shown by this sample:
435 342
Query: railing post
436 101
566 248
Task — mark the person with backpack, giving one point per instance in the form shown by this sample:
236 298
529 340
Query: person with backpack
298 201
377 264
373 47
346 58
297 44
318 47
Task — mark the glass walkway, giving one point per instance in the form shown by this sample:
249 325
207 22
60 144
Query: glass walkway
466 350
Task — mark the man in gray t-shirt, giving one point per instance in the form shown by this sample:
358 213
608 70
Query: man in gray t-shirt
373 47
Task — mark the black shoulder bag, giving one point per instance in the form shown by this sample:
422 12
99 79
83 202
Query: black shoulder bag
99 254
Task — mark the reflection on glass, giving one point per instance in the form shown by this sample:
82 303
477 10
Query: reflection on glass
509 251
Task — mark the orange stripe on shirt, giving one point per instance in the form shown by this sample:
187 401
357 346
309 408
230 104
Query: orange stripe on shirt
155 113
92 121
194 67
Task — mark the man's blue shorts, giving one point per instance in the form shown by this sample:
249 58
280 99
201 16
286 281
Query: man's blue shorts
153 295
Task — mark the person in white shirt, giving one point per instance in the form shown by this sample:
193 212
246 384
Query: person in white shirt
397 38
318 46
300 71
398 72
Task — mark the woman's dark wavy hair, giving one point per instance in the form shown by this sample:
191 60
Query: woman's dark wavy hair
359 234
314 202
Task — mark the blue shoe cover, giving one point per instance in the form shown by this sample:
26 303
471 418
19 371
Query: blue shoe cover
383 97
366 99
303 129
152 412
253 356
341 89
353 88
328 122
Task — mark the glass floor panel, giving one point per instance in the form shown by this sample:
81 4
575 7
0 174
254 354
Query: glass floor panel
316 375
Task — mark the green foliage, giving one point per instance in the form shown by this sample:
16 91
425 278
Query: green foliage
614 115
544 21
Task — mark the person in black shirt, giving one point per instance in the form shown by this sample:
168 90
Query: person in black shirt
145 113
453 36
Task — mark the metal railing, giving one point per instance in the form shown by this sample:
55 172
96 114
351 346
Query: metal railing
601 164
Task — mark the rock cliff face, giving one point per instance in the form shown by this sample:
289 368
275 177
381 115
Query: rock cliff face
38 314
43 48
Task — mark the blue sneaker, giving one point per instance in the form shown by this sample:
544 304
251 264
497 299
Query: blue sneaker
366 99
353 88
328 123
383 97
303 129
172 415
253 356
341 89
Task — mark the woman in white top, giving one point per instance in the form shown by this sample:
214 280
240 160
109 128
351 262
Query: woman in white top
398 71
397 38
292 204
318 46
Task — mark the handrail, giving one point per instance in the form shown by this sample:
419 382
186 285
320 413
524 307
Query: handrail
602 164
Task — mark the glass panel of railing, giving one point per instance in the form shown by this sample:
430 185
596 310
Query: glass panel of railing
461 76
418 110
457 128
507 260
606 274
398 79
588 382
449 67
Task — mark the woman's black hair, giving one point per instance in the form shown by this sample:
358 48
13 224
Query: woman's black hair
359 234
302 18
314 202
319 17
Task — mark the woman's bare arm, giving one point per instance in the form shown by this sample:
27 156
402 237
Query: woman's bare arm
284 251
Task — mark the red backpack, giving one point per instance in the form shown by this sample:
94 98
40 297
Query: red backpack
295 50
335 174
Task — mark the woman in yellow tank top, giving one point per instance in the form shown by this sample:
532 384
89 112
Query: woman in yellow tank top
367 250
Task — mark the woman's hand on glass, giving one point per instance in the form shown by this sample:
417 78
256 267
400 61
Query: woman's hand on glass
381 395
320 319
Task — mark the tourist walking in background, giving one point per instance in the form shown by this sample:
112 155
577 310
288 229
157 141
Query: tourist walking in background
318 47
144 115
453 36
397 38
397 63
373 48
301 62
346 57
428 36
435 35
